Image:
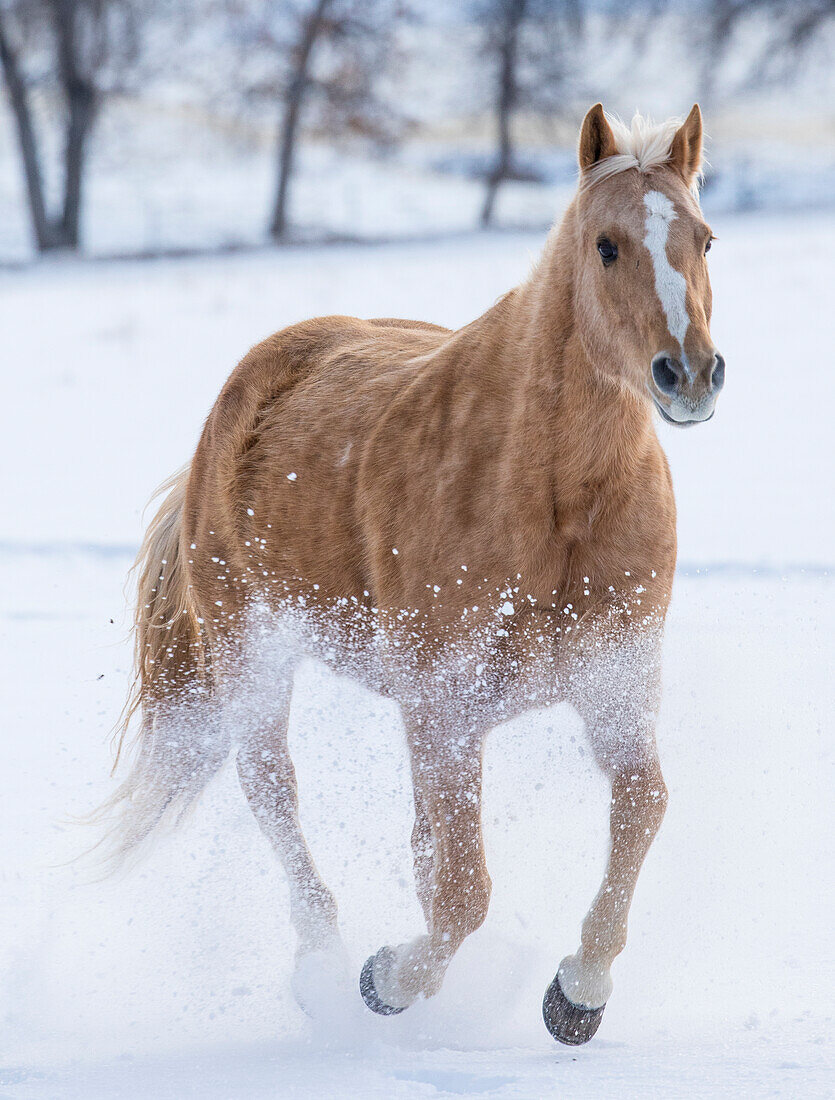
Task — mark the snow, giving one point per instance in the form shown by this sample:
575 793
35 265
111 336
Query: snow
173 980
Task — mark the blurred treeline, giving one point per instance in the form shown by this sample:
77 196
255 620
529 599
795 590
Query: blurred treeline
330 68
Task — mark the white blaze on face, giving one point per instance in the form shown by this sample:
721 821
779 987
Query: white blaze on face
670 284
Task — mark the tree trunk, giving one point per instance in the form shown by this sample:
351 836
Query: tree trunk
61 231
80 95
508 94
292 112
42 227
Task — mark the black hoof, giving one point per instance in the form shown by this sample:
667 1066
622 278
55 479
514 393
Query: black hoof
567 1022
369 993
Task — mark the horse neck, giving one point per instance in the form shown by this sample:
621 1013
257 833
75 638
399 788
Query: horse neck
572 417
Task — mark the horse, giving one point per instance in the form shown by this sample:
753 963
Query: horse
473 522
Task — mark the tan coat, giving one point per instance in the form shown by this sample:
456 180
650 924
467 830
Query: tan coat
474 521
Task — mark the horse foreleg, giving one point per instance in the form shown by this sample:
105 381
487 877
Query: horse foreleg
574 1002
452 878
423 853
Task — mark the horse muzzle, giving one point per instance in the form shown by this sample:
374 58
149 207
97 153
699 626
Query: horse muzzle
685 396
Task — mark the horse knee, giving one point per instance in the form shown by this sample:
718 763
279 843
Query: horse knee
465 909
480 901
660 797
264 762
655 799
268 780
639 800
421 838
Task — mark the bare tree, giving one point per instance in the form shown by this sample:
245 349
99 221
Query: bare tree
62 48
528 44
311 28
792 29
322 54
503 41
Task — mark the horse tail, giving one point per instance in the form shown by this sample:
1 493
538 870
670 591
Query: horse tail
177 749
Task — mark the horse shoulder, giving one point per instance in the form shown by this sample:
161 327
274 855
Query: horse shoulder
636 539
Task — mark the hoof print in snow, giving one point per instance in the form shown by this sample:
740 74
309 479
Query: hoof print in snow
369 993
567 1022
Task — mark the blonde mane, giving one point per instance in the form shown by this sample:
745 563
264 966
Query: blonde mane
643 144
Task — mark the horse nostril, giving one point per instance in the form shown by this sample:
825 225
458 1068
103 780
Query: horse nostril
717 378
666 373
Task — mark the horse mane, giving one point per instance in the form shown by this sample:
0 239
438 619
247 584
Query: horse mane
643 144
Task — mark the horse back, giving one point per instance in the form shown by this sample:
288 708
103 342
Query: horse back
271 491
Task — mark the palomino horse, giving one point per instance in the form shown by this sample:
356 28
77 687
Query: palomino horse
474 522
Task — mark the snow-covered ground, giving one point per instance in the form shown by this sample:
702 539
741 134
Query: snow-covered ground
172 981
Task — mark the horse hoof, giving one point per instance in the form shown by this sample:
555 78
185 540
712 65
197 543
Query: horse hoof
322 982
369 993
567 1022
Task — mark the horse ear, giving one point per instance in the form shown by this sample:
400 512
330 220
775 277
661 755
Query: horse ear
596 138
686 150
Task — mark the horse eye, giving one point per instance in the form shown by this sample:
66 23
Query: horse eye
608 251
707 246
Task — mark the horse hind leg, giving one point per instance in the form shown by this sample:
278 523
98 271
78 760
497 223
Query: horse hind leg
268 780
